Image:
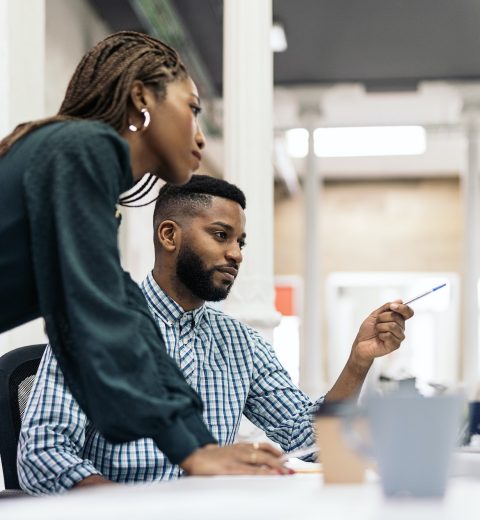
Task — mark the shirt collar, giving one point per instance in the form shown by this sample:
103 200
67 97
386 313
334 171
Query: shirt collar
166 309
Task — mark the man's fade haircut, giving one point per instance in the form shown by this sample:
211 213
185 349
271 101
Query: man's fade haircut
190 198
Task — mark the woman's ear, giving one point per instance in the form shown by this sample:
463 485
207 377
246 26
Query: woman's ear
141 96
137 95
169 234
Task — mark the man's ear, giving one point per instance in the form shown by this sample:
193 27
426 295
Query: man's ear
169 235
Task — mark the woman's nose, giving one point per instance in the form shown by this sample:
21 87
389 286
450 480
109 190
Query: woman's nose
200 138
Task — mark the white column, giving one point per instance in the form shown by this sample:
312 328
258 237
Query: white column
22 98
248 134
471 258
311 373
22 62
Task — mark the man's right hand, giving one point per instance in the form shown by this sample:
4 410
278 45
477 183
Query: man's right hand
92 480
237 459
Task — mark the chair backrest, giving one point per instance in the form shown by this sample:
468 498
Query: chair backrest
17 373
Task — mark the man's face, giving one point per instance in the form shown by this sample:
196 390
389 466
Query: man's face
210 252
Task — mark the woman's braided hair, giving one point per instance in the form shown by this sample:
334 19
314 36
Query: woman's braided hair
100 86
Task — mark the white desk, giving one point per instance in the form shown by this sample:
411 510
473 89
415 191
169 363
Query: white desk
209 498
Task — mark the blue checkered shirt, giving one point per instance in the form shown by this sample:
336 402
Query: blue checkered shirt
231 367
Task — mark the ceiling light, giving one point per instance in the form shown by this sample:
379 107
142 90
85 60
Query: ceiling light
278 40
297 142
363 141
284 165
359 141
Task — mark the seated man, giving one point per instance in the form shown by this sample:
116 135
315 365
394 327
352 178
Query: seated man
199 236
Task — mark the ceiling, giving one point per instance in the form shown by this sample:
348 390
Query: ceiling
366 62
384 44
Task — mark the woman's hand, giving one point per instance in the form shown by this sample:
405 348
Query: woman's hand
237 459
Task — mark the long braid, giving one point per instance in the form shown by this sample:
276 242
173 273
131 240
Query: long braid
100 86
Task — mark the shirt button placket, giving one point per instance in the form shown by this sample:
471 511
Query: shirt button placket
186 351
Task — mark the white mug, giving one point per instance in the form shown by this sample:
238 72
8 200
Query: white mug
411 438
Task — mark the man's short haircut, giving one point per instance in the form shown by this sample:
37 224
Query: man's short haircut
190 198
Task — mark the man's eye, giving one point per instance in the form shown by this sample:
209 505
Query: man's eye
221 235
242 244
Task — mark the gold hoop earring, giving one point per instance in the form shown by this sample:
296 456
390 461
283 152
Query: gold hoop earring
146 121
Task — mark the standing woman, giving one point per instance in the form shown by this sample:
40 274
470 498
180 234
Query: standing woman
130 109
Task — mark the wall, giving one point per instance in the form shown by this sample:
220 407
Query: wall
72 27
22 62
391 225
381 225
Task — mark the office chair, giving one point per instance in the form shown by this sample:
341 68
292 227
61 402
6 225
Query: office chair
17 373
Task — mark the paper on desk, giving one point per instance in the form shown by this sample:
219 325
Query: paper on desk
301 466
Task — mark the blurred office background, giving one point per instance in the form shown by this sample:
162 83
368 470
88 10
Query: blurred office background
370 190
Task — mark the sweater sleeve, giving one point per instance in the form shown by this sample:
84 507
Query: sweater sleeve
109 349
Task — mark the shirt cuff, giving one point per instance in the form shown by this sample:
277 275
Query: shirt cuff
75 474
195 423
182 438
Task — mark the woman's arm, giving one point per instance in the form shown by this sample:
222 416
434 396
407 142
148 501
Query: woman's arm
108 347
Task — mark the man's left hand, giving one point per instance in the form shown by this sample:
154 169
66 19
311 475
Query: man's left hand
382 332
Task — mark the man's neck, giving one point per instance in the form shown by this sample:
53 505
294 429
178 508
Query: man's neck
173 288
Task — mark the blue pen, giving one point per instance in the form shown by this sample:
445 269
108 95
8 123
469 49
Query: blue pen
425 294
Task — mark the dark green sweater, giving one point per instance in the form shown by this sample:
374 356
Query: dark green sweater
59 259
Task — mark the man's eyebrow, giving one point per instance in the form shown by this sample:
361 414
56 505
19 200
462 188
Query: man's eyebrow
227 227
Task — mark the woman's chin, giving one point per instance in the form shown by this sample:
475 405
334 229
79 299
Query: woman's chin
178 178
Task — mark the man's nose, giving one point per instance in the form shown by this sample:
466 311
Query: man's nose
235 253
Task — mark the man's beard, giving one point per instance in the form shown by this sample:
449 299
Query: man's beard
192 273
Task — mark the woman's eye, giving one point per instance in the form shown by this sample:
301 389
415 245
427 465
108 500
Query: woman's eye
196 110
